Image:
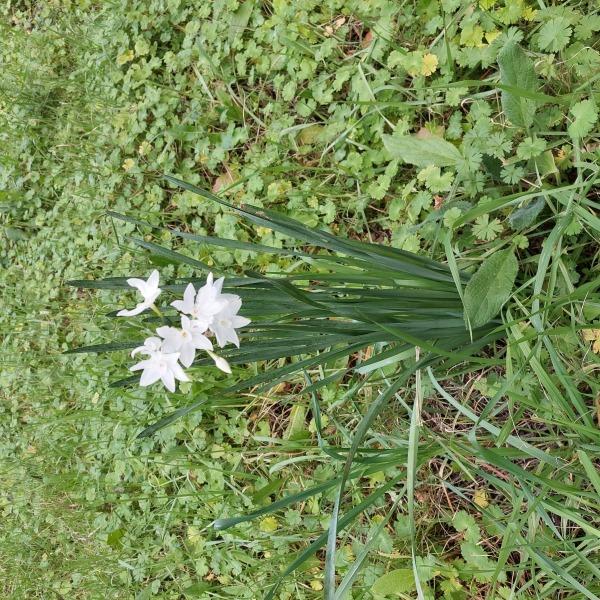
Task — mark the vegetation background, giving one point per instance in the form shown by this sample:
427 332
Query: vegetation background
302 107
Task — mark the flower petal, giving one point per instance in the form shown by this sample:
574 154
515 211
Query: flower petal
149 298
218 285
233 337
201 342
153 343
153 279
234 303
169 380
189 295
140 308
141 365
199 325
187 354
179 305
238 321
179 373
137 283
149 376
173 340
187 304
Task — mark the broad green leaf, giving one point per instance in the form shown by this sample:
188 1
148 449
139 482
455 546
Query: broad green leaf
526 215
197 590
490 287
586 114
422 152
394 583
264 492
113 539
14 234
478 560
545 164
516 71
591 310
297 424
466 524
239 19
309 135
427 567
555 34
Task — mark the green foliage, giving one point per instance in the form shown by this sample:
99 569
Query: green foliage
292 106
518 74
526 215
555 34
585 116
490 287
394 583
423 152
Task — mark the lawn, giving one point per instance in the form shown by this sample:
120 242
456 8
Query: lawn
465 133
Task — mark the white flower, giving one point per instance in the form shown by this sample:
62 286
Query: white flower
163 366
225 322
185 341
202 306
149 290
220 362
210 309
151 345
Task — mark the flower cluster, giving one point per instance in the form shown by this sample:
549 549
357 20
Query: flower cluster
204 314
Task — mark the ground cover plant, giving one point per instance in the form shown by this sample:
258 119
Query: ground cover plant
463 132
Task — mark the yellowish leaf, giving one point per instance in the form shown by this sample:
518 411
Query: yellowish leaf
126 57
128 164
593 335
194 536
269 525
348 552
225 180
490 36
309 135
472 36
144 148
429 64
480 498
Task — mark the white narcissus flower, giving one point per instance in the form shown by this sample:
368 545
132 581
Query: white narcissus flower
186 305
149 290
204 305
185 341
160 365
151 345
225 323
208 309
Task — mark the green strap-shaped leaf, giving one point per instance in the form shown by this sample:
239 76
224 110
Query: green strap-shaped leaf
111 347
